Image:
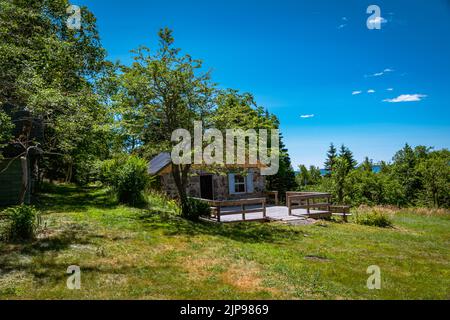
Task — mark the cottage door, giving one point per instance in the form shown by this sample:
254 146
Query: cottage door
206 187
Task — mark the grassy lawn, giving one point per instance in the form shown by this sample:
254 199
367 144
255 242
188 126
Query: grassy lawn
137 254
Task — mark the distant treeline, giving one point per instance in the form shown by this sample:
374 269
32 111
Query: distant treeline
417 176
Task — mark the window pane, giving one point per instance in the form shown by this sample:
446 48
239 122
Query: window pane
240 187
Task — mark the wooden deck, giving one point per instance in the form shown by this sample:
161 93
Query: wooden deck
300 205
273 213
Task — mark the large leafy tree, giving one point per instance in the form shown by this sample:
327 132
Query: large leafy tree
159 93
50 71
240 111
435 176
405 171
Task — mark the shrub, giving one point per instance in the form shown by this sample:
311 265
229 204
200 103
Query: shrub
195 209
22 223
374 218
159 202
128 177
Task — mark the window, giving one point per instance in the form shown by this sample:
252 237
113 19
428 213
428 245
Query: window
239 183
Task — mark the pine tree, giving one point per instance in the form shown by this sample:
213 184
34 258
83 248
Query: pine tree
331 159
346 154
284 180
367 165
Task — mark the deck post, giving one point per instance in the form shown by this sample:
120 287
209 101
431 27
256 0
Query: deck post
329 204
264 209
307 206
289 206
243 211
218 213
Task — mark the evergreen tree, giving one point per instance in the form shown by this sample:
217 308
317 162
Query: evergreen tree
367 165
284 180
346 154
331 159
314 174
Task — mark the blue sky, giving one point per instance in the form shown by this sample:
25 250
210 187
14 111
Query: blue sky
311 59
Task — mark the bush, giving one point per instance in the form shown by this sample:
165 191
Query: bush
374 218
159 202
195 209
22 223
128 177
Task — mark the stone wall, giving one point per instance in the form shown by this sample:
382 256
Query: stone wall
220 186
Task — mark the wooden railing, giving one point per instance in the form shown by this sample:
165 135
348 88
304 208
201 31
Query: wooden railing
274 194
309 201
218 205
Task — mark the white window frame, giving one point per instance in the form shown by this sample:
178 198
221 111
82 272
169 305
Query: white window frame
244 183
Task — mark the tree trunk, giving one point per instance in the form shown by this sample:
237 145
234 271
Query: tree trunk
25 182
69 172
180 176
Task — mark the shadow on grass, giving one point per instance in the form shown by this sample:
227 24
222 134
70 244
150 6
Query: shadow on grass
14 256
74 198
248 232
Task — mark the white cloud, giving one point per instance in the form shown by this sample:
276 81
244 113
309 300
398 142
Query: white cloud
356 92
390 89
343 24
406 98
307 116
370 91
379 74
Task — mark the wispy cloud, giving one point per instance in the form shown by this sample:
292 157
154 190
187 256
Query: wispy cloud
406 98
356 92
379 74
307 116
390 89
344 23
370 91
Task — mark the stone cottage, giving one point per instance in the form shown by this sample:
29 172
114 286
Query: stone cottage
229 184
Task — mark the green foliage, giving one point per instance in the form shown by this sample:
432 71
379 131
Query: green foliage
22 222
160 203
52 71
128 177
345 153
331 159
435 174
284 179
374 218
338 177
417 177
6 127
194 209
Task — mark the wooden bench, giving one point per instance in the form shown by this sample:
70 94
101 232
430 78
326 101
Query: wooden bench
342 211
218 206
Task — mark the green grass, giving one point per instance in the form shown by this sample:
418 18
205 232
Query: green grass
136 253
